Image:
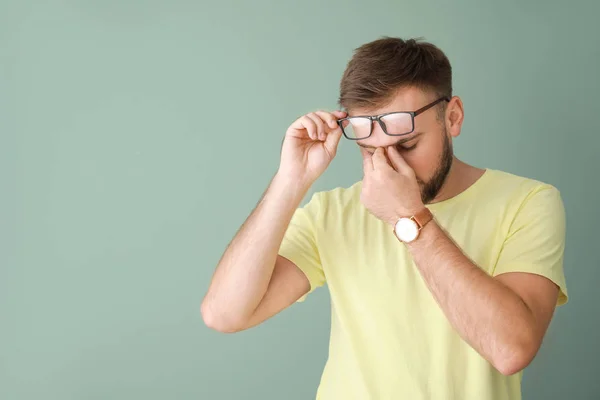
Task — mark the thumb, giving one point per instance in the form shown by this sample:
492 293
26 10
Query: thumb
332 140
367 161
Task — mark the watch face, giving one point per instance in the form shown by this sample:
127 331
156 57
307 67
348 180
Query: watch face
406 229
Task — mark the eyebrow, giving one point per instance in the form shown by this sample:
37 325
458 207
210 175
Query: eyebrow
401 141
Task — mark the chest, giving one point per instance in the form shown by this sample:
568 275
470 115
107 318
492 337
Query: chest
363 259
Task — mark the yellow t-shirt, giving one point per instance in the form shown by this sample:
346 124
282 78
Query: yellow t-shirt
389 338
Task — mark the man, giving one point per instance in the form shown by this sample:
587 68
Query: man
443 276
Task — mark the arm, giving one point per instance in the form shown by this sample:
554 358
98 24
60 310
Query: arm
251 282
503 318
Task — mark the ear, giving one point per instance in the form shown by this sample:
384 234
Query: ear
454 116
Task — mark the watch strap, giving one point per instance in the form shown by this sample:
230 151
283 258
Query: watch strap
423 217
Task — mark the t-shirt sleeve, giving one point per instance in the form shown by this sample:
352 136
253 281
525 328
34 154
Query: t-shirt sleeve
299 243
536 239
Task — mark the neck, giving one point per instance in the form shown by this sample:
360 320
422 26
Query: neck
460 178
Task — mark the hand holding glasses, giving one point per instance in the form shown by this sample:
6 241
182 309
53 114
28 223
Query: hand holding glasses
311 142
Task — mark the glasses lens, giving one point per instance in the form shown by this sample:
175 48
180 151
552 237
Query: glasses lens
398 123
357 127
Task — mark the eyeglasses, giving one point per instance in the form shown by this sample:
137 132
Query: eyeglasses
397 123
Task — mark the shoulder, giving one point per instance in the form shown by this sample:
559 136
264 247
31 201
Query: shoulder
338 205
525 200
518 189
340 198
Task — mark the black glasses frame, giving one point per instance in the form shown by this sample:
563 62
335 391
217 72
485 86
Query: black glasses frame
377 118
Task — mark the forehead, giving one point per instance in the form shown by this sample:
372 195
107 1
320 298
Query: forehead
405 99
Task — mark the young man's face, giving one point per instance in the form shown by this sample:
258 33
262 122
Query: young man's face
428 150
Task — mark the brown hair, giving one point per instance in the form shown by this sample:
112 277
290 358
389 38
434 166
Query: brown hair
379 68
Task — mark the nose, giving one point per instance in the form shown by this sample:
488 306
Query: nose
378 137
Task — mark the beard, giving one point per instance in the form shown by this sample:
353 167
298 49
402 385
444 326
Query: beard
431 188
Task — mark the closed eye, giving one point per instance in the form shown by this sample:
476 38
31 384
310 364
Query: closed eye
408 148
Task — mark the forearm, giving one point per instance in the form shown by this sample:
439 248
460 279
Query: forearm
489 316
245 269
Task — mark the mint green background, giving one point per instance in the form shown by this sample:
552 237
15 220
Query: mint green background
136 136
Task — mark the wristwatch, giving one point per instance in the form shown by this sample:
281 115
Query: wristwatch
407 229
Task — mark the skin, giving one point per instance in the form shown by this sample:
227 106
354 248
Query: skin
504 318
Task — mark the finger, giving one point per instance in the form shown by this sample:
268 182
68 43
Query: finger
339 114
309 125
329 119
367 161
397 161
380 160
320 125
304 124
